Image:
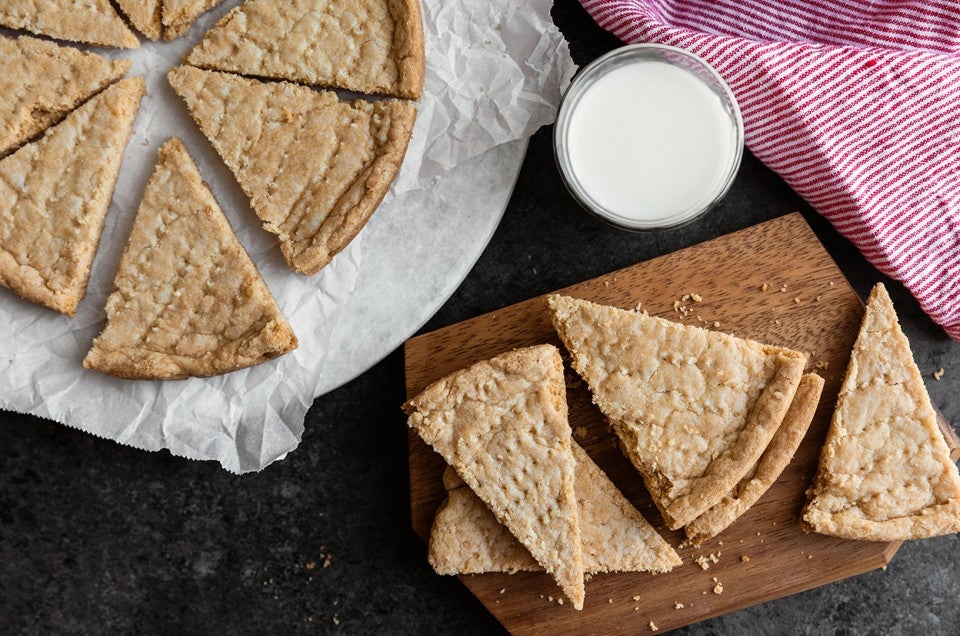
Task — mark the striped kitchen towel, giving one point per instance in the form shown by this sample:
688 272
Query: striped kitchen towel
855 103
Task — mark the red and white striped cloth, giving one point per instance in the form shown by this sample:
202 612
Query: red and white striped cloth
855 103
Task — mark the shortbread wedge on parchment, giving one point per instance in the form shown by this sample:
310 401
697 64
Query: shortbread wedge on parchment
144 15
88 21
694 409
54 197
885 471
179 15
315 168
43 81
774 459
466 537
187 299
369 46
502 424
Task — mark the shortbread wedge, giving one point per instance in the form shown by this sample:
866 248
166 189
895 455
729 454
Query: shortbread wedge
885 470
370 46
775 458
43 81
315 168
54 197
467 538
144 15
179 15
187 299
88 21
502 424
694 409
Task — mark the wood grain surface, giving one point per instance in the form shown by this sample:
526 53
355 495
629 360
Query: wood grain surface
762 556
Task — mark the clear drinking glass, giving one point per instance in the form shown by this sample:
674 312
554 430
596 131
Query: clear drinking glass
697 67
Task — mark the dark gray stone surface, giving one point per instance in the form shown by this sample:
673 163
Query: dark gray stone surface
96 537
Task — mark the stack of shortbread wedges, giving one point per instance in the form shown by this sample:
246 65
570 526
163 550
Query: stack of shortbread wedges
709 421
188 301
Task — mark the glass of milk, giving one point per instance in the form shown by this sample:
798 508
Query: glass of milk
648 137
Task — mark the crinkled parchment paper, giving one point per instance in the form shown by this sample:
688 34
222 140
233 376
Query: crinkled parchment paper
495 72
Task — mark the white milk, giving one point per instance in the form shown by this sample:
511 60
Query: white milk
651 143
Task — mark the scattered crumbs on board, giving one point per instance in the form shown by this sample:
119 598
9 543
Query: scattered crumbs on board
764 287
938 374
653 626
744 559
678 605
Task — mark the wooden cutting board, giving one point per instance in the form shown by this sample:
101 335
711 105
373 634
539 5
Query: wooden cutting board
762 556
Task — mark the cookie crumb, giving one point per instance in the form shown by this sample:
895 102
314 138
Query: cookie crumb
783 288
938 374
606 283
823 364
830 283
764 287
718 588
744 559
336 620
716 324
819 298
580 431
697 298
310 565
678 605
559 601
702 562
609 600
809 556
653 626
637 597
503 590
796 299
883 567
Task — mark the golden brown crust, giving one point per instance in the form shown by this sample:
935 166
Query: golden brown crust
502 424
88 21
885 470
775 458
371 46
315 168
54 197
187 299
693 408
467 538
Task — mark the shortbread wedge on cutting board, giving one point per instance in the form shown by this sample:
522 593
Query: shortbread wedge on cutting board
502 424
694 409
885 470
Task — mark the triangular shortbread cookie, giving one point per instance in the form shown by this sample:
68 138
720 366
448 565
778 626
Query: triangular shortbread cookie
88 21
467 538
187 299
54 196
694 409
144 14
179 15
775 458
885 470
370 46
42 82
502 424
315 168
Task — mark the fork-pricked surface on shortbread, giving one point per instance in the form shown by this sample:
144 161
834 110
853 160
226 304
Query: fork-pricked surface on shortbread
370 46
694 409
466 537
54 197
315 168
43 81
502 424
187 299
885 471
